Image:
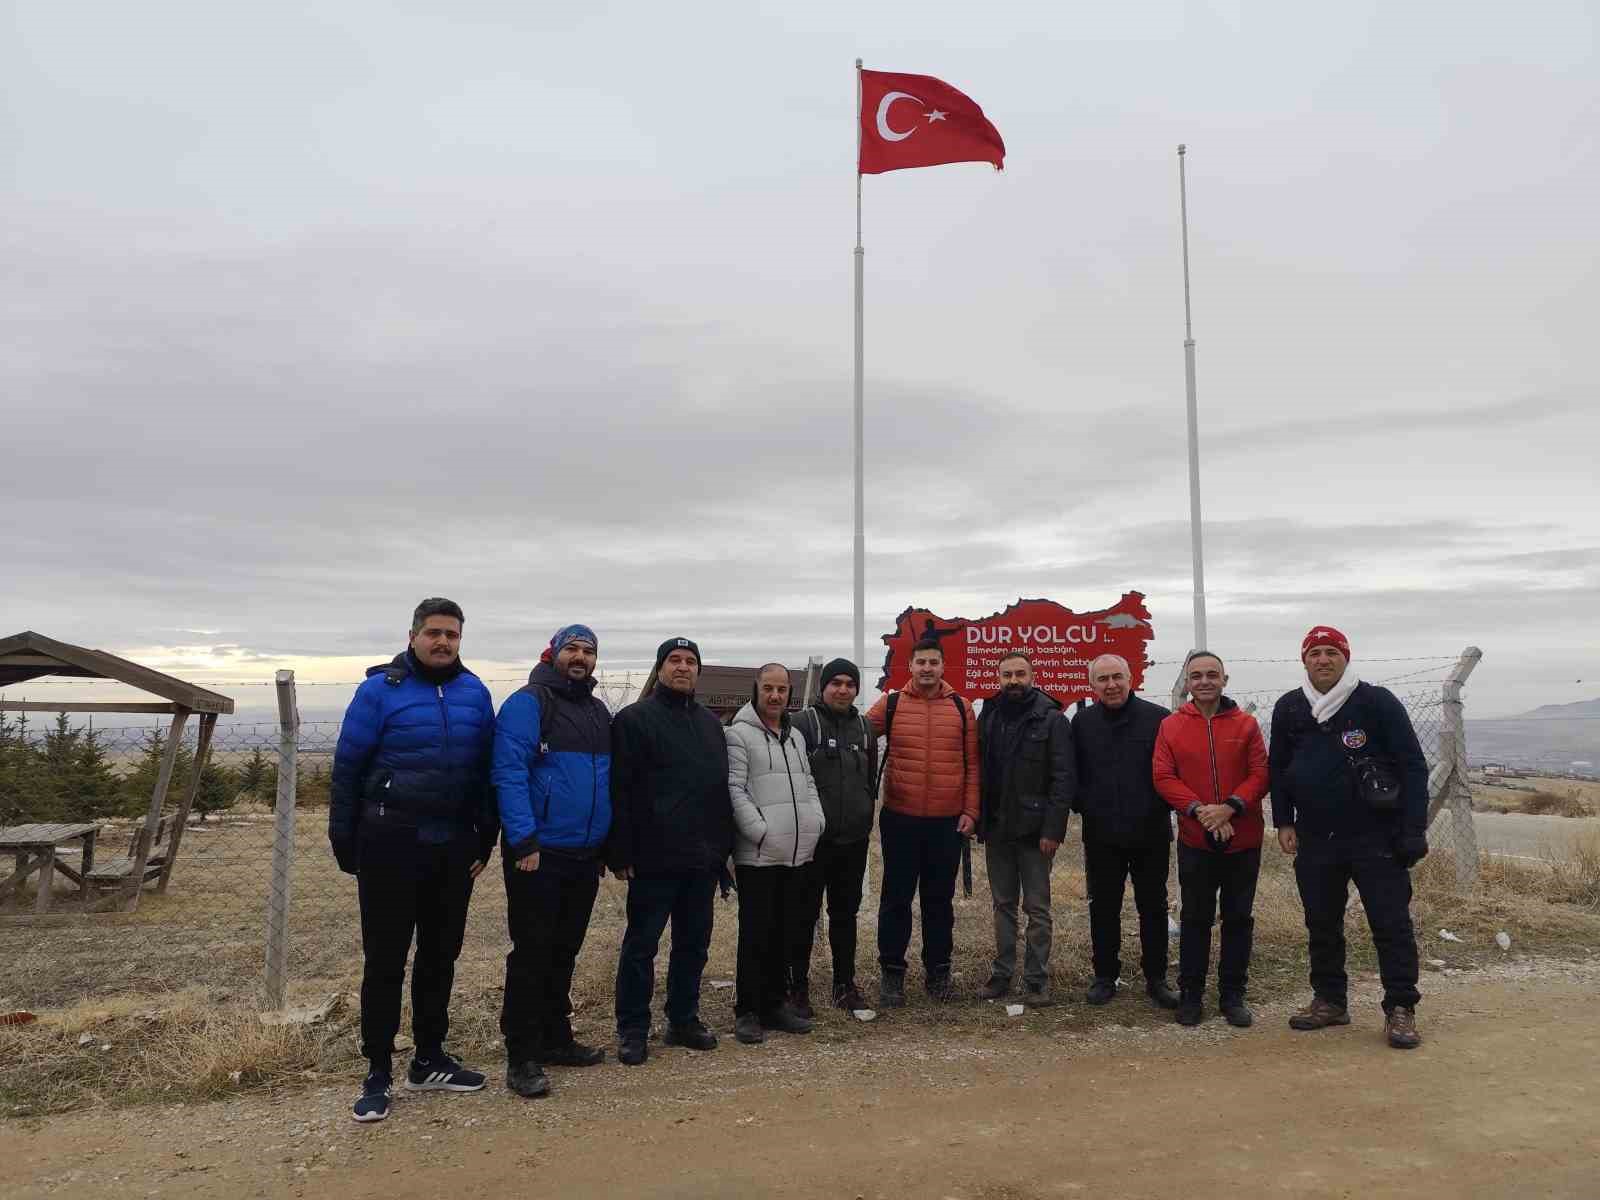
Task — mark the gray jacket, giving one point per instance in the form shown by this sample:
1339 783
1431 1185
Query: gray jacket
776 810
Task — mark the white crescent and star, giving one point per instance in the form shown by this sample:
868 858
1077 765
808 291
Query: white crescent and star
888 134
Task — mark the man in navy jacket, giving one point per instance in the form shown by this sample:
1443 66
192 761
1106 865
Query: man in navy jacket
413 818
1324 735
552 775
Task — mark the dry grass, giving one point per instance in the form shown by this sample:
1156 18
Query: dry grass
1555 804
1540 795
173 989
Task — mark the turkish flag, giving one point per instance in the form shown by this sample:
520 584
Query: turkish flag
920 121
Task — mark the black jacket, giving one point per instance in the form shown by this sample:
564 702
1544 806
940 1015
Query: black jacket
670 809
1027 779
1313 784
844 762
1116 795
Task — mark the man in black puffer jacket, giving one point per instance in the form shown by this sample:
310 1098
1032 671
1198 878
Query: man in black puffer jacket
1025 790
671 834
1127 828
1323 735
844 762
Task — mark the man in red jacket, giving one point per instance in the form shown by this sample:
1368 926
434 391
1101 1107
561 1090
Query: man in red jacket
1211 767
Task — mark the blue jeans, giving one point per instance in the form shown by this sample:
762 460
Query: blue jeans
921 855
685 900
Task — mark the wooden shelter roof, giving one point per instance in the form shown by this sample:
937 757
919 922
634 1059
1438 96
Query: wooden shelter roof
28 655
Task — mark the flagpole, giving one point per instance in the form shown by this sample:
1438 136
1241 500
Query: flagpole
860 409
1194 421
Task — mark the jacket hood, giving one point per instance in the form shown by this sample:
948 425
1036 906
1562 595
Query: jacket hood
944 690
403 664
545 675
748 716
1227 707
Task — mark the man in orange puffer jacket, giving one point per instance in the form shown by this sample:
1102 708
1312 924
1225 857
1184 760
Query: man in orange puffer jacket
930 803
1211 766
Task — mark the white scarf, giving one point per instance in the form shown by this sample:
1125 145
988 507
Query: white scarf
1326 705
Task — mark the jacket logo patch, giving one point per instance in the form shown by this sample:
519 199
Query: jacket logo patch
833 743
1354 739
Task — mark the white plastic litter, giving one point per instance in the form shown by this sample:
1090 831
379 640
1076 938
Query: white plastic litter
85 1038
1503 940
863 1014
1436 963
720 984
1015 1010
1172 926
1446 936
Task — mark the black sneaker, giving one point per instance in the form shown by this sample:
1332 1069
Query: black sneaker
1236 1012
1190 1011
1161 994
693 1035
377 1089
892 990
441 1073
786 1019
527 1079
574 1054
747 1030
800 1001
632 1049
1101 991
849 997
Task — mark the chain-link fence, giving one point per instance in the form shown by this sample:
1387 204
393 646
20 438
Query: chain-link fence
210 925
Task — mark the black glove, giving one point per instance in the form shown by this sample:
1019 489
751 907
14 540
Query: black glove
1410 849
347 855
725 882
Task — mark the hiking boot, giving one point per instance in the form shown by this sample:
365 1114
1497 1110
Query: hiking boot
441 1073
892 990
995 988
632 1049
1161 995
939 987
800 1001
692 1035
528 1080
574 1054
785 1019
377 1089
1319 1014
1101 991
849 997
747 1030
1400 1025
1190 1011
1037 997
1236 1012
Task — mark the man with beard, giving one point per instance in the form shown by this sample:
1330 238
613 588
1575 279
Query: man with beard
671 834
1350 800
552 775
412 816
1127 828
1025 794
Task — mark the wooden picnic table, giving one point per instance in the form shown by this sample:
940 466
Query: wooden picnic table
35 847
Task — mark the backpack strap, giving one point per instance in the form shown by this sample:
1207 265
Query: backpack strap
813 738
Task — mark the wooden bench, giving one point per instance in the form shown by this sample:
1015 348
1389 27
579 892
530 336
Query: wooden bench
114 872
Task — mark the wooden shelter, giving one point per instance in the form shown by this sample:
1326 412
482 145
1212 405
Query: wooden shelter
28 655
725 690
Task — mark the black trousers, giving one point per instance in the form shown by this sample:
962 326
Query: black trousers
1107 869
1324 869
772 925
836 872
686 901
1203 875
405 889
921 856
547 914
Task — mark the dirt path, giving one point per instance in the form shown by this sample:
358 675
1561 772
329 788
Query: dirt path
1503 1100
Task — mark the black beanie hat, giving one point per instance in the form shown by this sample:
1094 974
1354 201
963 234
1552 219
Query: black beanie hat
677 643
840 666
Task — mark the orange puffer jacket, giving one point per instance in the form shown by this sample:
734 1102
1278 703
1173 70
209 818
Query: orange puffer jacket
923 777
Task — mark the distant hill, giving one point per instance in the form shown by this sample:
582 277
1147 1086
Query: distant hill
1552 737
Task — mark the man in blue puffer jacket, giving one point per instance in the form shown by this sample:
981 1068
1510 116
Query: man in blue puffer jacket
412 816
552 773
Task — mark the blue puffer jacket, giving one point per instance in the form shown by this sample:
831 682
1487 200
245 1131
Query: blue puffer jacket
413 762
552 770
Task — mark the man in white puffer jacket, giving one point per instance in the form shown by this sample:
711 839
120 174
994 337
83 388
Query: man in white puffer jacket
778 816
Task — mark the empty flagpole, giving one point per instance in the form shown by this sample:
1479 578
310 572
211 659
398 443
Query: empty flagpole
861 512
1194 420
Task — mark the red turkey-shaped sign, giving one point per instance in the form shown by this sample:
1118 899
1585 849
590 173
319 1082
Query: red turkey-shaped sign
1061 643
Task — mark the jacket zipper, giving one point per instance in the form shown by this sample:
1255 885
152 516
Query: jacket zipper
1216 781
794 800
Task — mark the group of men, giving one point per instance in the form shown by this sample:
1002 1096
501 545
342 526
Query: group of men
427 778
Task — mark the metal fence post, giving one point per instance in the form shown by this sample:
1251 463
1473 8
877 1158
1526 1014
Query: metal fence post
283 843
1454 791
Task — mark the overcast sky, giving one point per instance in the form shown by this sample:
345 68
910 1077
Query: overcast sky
313 310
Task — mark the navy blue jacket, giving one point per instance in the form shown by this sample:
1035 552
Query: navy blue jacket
552 771
1313 786
413 761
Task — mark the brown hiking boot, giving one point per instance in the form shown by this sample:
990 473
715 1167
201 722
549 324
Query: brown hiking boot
1319 1014
1401 1026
